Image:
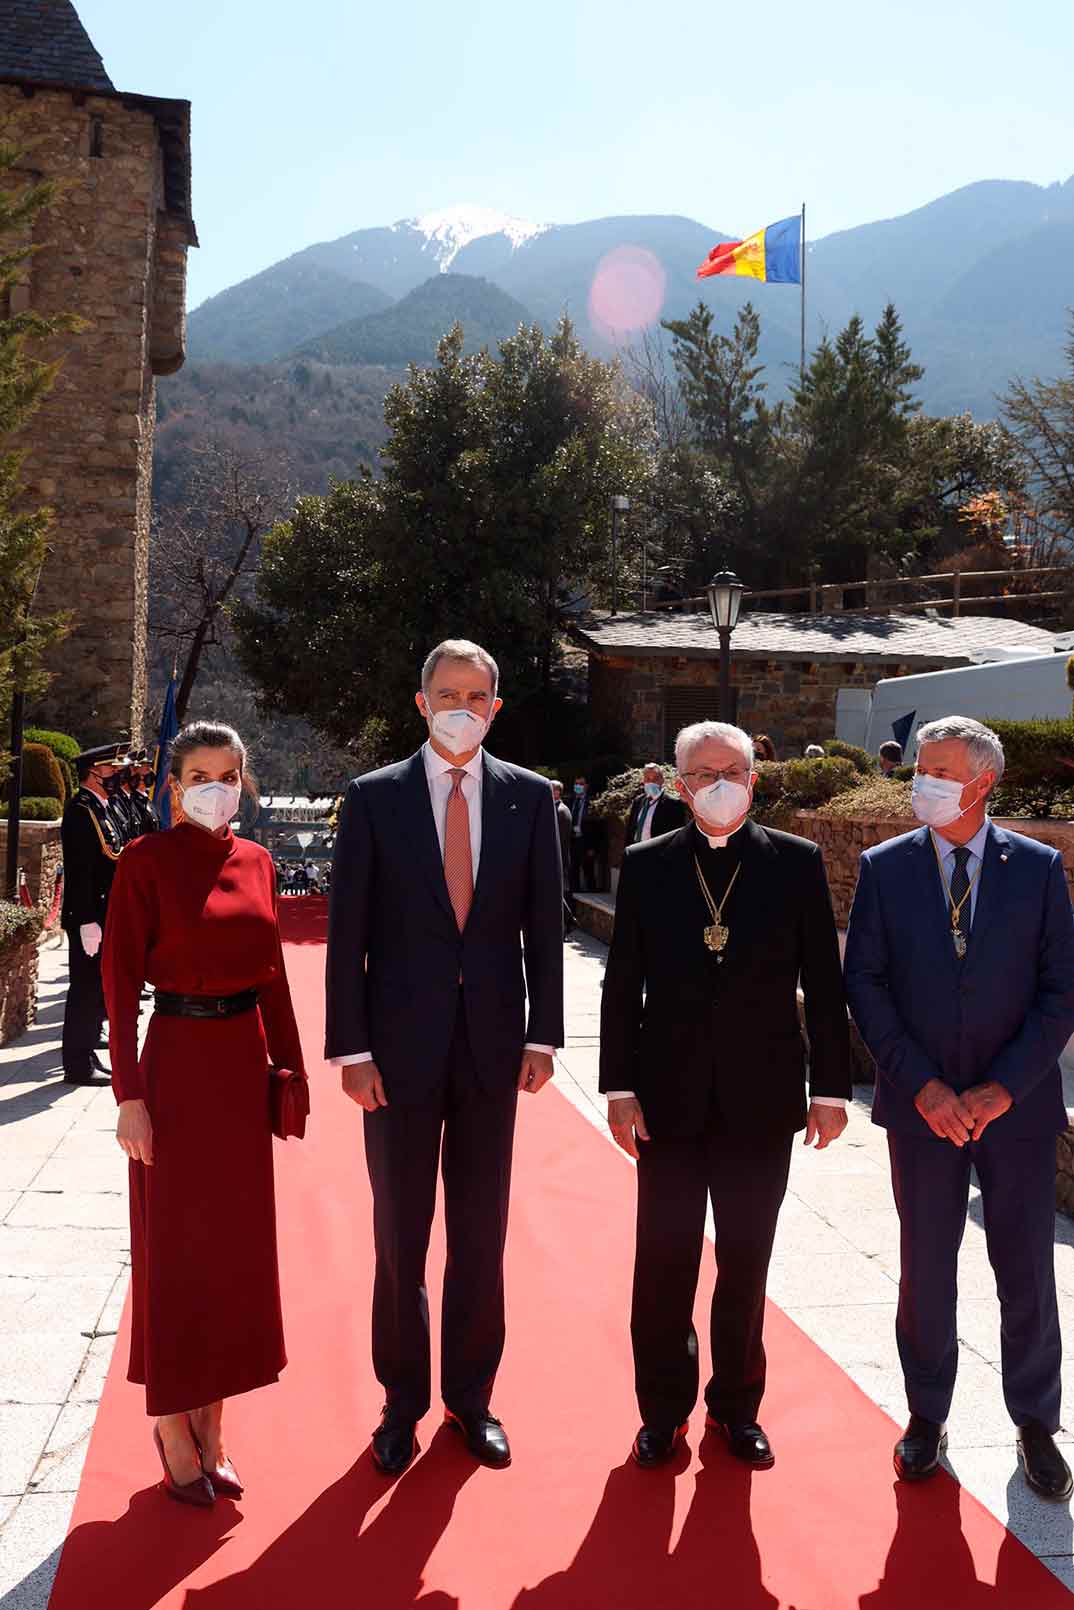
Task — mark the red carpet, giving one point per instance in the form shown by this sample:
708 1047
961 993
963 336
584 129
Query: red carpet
572 1525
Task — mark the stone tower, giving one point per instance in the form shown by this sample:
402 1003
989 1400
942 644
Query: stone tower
113 249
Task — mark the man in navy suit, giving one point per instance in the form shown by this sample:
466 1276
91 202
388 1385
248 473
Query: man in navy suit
960 975
446 878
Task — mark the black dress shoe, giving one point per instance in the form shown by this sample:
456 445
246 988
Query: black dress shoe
1047 1472
96 1075
747 1442
394 1445
484 1436
918 1450
654 1446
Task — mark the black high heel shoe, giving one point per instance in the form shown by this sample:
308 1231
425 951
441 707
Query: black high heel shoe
199 1492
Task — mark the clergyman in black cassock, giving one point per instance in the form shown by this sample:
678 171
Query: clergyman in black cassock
705 1067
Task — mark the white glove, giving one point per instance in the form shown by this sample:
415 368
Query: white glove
90 935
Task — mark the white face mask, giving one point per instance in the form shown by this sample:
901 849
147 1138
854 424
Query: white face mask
211 805
458 730
937 801
720 803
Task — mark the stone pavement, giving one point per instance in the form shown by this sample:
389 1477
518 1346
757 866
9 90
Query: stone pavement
64 1261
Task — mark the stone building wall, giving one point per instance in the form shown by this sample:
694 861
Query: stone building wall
40 857
112 254
791 700
18 989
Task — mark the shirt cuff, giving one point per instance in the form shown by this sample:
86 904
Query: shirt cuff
619 1095
830 1101
345 1062
549 1050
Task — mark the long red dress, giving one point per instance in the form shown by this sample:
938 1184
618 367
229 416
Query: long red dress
195 914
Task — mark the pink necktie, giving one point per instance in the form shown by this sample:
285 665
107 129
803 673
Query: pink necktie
458 856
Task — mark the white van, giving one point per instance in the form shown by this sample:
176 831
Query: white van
1034 687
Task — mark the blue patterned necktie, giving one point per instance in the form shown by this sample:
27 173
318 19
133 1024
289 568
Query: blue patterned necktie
960 885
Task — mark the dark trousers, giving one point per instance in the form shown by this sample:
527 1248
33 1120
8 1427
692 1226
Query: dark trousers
84 1012
931 1180
747 1180
470 1133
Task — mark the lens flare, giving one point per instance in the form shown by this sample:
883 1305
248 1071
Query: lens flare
627 292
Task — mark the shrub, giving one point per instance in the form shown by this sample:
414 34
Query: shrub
18 924
1040 766
884 798
39 810
41 774
809 783
64 747
861 759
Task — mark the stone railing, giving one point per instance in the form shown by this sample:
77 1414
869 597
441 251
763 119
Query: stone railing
18 986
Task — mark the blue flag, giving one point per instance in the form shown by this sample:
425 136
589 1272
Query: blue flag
169 726
902 729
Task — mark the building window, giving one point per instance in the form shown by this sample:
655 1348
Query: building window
684 706
96 137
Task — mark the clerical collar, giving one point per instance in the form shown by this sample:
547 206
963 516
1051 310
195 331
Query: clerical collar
720 841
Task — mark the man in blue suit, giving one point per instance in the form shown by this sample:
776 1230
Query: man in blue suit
446 883
960 975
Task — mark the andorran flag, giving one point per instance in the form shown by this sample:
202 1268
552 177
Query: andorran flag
773 254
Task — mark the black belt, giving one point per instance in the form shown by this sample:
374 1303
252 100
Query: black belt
204 1005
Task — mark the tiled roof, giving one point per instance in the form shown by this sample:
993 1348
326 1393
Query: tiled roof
811 637
44 42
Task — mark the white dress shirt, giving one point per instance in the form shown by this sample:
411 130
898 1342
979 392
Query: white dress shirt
438 775
719 842
976 847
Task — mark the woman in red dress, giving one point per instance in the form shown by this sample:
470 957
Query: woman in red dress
193 911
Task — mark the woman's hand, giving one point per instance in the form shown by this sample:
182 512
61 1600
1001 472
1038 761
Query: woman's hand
134 1131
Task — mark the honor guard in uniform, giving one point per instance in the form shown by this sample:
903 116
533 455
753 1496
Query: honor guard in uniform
120 803
92 844
144 817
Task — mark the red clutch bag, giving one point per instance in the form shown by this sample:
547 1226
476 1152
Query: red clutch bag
289 1102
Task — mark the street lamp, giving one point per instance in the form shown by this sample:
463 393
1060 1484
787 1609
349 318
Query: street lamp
725 600
620 505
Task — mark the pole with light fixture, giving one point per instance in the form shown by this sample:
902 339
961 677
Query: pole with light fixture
725 600
620 505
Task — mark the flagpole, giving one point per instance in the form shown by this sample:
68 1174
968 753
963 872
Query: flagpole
801 365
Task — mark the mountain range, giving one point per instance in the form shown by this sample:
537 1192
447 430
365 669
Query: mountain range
981 278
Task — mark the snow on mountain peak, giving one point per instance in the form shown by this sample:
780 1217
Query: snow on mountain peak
448 230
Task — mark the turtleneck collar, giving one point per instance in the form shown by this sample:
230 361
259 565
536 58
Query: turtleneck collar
207 844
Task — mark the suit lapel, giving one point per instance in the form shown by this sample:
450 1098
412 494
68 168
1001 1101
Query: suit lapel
497 804
418 809
929 897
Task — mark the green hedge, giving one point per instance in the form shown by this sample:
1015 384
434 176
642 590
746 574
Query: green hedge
35 809
18 924
63 746
785 786
1040 767
861 759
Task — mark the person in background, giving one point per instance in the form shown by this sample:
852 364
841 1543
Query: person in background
579 813
814 752
145 819
563 820
193 911
653 812
763 747
92 843
890 757
704 1067
960 976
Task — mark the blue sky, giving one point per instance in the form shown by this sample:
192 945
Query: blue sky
311 120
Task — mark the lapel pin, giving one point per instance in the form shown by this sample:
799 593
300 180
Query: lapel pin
1003 857
514 807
